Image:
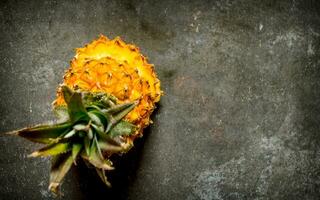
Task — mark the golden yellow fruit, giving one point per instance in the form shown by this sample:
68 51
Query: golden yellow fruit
117 68
105 101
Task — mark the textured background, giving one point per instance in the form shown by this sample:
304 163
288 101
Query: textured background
240 118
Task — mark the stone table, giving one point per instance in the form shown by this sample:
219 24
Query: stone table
240 117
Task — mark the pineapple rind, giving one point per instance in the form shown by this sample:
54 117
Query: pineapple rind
114 67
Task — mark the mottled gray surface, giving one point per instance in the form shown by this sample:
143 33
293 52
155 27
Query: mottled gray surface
241 111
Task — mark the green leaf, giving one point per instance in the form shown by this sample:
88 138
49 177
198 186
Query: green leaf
104 137
97 128
89 97
76 148
43 133
52 149
97 99
96 118
70 133
113 120
90 134
67 93
87 145
119 108
61 164
80 127
102 174
96 158
106 146
108 103
92 107
108 100
76 109
122 128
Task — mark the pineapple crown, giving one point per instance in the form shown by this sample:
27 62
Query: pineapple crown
91 126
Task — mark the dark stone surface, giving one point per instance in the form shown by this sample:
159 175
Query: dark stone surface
241 111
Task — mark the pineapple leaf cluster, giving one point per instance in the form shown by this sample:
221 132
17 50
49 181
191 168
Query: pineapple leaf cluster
91 126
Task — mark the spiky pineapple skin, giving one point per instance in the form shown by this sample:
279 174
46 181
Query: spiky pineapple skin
117 68
103 104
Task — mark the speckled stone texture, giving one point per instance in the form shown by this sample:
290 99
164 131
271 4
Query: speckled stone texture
240 118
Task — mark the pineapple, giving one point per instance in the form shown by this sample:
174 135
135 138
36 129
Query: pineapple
103 104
